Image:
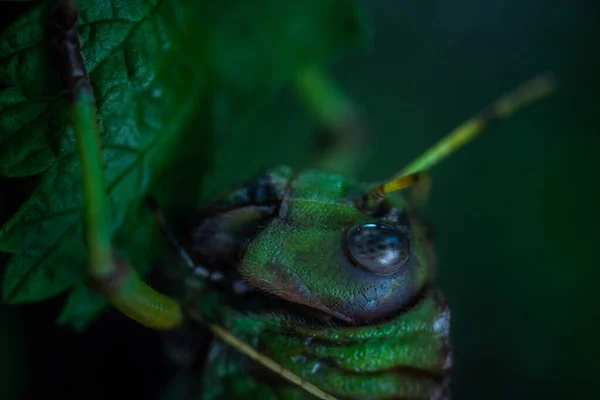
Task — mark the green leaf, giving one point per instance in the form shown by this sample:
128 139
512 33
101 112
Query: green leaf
155 67
82 308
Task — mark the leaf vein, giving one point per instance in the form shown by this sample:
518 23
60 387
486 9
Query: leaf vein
21 281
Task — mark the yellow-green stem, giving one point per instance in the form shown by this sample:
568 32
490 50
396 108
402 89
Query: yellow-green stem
96 216
113 277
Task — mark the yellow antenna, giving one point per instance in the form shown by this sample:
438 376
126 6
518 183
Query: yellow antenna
504 107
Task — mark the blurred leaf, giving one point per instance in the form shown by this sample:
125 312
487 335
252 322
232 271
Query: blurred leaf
154 66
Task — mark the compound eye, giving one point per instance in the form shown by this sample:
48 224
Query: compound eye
377 248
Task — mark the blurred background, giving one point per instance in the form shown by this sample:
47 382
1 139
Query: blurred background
515 213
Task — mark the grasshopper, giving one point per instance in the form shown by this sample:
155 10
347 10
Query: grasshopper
325 285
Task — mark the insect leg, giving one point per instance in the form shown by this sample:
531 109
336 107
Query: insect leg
198 270
109 274
342 135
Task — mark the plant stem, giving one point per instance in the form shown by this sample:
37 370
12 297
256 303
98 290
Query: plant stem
96 216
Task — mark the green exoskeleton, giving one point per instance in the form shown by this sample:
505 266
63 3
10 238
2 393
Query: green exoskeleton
325 285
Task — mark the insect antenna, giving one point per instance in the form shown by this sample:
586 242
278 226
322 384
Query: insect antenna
504 107
183 254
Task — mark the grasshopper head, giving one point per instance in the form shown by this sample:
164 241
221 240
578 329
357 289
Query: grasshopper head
325 251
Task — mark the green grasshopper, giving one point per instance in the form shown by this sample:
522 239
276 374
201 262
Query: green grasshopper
326 285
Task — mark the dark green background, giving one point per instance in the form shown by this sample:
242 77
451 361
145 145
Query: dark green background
515 213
